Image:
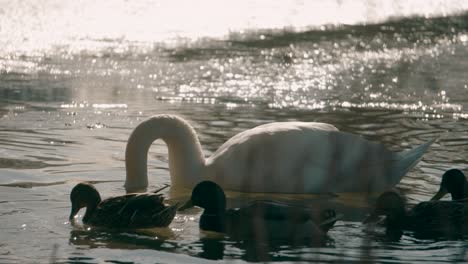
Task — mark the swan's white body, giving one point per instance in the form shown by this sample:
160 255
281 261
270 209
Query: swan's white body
283 157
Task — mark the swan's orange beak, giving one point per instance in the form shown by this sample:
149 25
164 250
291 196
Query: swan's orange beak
442 191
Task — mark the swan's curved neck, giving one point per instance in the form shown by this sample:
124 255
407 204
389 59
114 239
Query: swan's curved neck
186 160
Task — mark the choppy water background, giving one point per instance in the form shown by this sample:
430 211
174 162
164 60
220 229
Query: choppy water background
77 76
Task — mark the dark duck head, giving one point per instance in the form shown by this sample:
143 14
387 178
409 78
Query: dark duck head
84 195
453 182
209 196
391 205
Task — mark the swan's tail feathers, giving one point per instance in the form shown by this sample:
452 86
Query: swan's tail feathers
407 159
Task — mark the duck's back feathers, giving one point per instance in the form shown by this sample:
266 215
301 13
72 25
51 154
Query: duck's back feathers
133 211
268 227
433 218
271 220
261 220
278 211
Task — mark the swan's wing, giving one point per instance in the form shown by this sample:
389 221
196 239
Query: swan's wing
254 136
263 158
344 162
298 157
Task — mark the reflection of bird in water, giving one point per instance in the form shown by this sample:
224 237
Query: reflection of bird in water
281 157
455 183
130 239
142 210
212 248
426 219
260 220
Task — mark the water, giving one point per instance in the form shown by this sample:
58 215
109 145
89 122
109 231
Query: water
77 77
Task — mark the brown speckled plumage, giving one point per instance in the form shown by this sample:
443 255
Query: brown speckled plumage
138 210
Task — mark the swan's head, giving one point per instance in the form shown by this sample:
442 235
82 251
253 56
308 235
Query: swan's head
209 196
83 195
391 205
453 182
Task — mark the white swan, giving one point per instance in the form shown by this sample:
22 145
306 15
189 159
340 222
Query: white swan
282 157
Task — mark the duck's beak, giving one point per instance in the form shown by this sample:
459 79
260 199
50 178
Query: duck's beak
442 191
187 205
74 211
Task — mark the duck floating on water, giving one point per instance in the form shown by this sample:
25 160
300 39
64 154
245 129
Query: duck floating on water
136 210
426 219
455 183
259 220
281 157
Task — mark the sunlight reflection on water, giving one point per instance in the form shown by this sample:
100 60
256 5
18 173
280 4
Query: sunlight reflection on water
69 98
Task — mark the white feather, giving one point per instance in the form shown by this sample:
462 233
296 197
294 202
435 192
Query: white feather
282 157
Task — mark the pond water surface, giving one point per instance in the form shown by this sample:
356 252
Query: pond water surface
76 78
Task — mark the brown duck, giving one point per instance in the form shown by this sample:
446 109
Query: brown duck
136 210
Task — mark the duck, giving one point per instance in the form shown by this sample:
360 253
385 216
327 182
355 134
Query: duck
136 210
425 219
279 157
455 183
259 220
